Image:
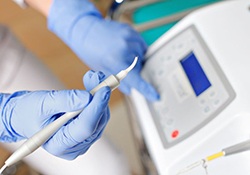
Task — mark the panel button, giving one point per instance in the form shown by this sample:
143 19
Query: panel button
202 102
170 122
166 58
212 94
164 110
207 110
160 73
216 102
175 134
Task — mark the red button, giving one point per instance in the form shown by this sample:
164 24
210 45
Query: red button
175 133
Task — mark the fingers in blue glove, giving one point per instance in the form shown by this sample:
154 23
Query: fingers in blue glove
82 147
91 120
91 79
134 80
77 99
39 108
92 114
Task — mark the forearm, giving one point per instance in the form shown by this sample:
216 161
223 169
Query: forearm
42 6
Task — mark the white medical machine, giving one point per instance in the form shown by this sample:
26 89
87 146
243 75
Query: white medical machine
201 68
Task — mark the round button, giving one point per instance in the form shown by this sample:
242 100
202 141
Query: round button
212 94
160 73
170 122
216 102
164 110
175 134
202 102
206 110
166 58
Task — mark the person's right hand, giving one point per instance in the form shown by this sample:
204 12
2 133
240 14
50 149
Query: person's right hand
25 113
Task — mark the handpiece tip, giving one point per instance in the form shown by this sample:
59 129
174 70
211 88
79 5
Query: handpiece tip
121 75
133 64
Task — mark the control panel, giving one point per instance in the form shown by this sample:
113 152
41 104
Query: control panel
192 86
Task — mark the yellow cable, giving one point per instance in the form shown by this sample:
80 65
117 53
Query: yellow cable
215 156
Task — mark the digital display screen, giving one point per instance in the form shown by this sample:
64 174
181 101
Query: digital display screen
195 73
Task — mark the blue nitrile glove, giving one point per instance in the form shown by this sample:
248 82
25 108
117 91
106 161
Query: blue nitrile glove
24 113
90 125
102 44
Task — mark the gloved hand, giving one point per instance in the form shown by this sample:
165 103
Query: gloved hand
24 113
102 44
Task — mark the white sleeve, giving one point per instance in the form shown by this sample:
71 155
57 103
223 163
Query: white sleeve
21 3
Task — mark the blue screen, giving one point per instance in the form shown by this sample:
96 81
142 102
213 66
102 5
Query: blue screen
195 74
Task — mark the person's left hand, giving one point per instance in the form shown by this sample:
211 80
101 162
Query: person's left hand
105 45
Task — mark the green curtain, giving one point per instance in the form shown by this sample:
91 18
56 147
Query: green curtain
163 9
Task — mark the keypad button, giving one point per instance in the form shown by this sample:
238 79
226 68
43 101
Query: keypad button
166 59
202 102
160 73
216 102
170 122
207 109
164 111
212 94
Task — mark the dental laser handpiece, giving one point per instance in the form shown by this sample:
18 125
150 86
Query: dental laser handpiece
237 148
234 149
42 136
